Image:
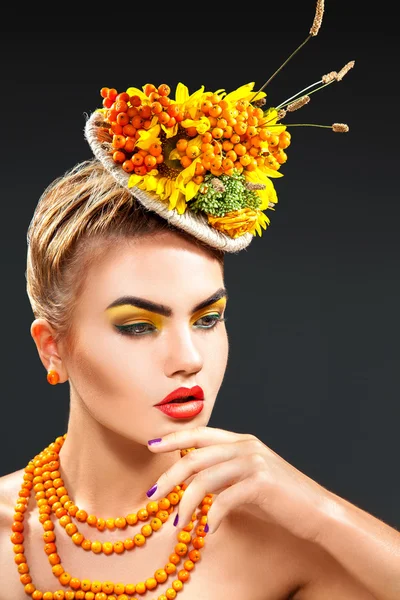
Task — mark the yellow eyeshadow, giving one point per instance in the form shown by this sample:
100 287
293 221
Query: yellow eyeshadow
219 305
126 314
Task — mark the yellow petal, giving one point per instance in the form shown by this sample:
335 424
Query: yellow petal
196 141
186 175
148 137
181 93
170 131
161 186
202 125
173 195
181 205
151 183
134 180
191 190
132 91
174 155
269 172
240 93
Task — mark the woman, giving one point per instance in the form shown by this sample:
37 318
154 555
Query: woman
104 275
125 278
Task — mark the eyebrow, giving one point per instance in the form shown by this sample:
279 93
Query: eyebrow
161 309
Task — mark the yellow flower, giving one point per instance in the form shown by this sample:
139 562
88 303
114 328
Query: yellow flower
238 222
174 185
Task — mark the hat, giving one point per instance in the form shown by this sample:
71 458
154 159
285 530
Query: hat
205 161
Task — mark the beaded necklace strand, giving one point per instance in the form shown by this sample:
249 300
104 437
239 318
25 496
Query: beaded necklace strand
43 476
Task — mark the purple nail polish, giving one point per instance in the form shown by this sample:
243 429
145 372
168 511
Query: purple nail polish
151 491
206 528
155 441
176 520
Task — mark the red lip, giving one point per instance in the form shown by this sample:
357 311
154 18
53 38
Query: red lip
183 392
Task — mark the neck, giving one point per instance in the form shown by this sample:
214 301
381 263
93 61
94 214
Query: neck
104 473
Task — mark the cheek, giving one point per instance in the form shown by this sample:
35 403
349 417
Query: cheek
216 355
105 373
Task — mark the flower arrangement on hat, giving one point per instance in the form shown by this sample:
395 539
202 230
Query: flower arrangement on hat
214 153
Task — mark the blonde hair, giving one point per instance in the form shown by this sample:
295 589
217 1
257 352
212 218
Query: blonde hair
78 217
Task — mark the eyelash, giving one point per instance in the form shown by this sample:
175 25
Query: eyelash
129 329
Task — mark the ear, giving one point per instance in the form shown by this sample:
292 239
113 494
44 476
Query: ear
43 336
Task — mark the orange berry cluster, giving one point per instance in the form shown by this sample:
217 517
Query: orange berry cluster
238 137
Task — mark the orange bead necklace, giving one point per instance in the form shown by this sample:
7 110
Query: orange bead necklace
43 476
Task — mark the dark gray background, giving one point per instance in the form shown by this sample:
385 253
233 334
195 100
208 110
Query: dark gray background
313 312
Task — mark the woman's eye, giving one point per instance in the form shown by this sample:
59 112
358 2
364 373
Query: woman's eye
210 321
136 329
141 329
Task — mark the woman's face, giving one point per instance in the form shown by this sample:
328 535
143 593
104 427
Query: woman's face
129 354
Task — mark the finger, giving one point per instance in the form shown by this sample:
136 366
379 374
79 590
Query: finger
196 437
215 478
243 492
192 463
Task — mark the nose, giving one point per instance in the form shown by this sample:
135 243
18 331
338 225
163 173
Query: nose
183 355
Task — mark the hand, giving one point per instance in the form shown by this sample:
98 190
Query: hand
242 470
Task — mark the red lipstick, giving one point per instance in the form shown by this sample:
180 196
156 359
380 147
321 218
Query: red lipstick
191 406
184 392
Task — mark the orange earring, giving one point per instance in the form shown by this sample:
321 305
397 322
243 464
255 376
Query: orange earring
53 377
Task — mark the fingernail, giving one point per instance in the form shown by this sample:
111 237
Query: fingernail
151 491
155 441
176 520
206 528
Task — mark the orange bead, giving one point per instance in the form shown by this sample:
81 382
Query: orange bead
96 547
53 377
119 588
132 518
81 516
108 548
86 584
148 88
155 148
64 578
139 539
129 544
71 528
77 538
150 161
161 575
177 585
107 587
17 538
164 89
119 547
54 558
95 587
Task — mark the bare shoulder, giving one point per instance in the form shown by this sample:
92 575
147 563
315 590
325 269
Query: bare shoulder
273 555
9 487
304 570
326 578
